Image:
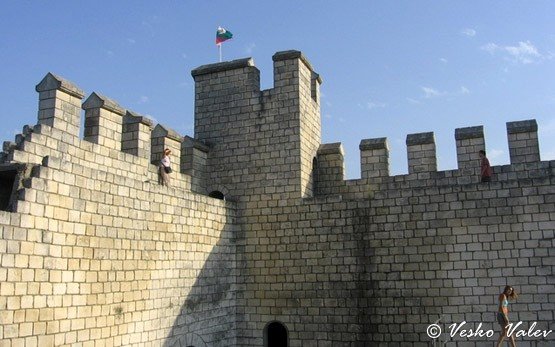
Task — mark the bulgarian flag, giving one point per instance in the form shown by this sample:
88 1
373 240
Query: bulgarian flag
222 35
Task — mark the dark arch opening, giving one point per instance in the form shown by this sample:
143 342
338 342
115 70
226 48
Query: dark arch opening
275 335
217 195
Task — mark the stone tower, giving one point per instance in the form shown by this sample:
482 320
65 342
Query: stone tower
260 141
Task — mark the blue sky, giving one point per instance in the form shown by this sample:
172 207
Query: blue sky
390 68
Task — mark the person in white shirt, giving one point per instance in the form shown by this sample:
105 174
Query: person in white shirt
165 168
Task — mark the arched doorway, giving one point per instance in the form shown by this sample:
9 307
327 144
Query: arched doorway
216 194
275 335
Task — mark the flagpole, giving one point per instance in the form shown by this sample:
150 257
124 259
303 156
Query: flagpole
220 49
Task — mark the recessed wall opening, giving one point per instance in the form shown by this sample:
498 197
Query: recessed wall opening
275 335
314 176
217 195
7 179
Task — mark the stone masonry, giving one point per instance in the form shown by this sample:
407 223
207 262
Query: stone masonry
260 226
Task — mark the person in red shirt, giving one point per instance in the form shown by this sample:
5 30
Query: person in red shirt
485 168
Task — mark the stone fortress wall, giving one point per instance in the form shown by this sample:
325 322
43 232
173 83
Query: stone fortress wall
95 251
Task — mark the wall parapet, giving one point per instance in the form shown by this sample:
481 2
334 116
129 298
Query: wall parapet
220 67
103 121
421 151
524 126
194 158
377 143
374 157
196 144
163 138
331 148
469 133
133 118
96 100
136 134
55 82
293 54
420 139
59 104
523 141
421 154
330 168
469 142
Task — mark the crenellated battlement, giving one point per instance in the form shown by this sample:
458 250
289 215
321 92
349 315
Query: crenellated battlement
271 135
230 110
231 114
422 161
105 123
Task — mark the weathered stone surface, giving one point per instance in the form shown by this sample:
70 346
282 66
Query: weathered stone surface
54 82
469 133
369 144
96 100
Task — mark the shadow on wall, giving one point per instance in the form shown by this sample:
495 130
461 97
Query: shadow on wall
207 316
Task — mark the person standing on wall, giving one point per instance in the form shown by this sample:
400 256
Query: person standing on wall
165 168
503 314
485 168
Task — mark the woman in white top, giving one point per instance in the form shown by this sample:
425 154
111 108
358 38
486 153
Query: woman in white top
165 168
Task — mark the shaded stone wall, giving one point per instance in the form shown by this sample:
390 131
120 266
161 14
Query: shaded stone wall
446 253
378 271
